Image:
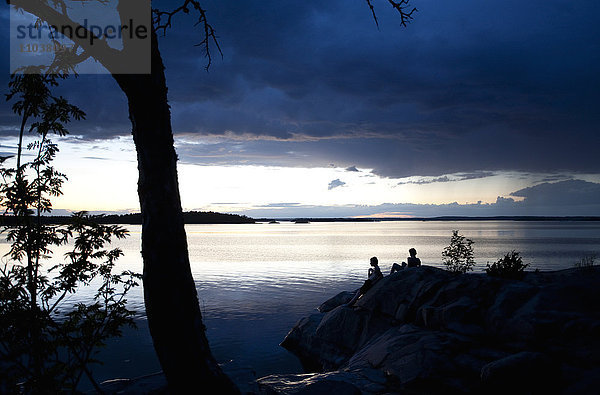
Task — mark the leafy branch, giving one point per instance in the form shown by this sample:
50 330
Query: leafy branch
44 348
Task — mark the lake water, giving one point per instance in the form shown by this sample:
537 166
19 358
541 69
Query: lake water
256 280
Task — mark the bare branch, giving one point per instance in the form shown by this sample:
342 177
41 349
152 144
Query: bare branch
373 12
401 6
162 21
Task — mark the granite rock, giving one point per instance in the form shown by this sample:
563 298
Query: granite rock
425 330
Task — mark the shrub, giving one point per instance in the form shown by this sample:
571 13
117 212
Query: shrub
510 266
458 256
47 346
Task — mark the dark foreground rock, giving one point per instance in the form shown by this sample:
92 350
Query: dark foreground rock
426 331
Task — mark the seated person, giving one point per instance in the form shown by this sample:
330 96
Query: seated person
412 260
397 268
374 276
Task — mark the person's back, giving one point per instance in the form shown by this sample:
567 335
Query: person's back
412 260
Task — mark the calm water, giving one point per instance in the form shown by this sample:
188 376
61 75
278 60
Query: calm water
256 280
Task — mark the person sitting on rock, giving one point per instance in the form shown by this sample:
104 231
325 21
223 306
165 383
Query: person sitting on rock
397 268
412 260
374 276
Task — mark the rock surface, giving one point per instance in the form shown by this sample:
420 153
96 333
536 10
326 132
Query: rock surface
424 330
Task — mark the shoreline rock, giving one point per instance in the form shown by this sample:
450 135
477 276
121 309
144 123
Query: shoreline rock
425 330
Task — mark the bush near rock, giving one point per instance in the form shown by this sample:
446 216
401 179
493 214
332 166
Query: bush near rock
427 331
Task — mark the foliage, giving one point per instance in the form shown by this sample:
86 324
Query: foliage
458 256
510 266
45 346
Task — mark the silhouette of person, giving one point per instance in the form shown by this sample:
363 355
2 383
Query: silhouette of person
412 260
397 268
374 276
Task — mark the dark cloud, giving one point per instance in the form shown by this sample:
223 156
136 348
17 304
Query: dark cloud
426 181
335 184
565 193
460 89
280 205
468 86
454 177
557 177
94 158
475 175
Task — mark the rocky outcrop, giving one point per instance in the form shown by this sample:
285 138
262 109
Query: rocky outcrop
425 330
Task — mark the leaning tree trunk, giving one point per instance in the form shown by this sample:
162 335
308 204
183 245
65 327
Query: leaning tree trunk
174 316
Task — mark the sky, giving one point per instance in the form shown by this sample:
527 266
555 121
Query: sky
475 108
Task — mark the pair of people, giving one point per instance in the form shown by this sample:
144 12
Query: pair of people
375 273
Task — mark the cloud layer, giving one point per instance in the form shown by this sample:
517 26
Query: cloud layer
467 87
565 198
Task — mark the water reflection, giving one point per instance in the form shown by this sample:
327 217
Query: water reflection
256 280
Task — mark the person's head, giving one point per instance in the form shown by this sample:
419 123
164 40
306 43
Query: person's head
374 261
412 252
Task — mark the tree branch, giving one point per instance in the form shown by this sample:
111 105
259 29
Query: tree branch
373 12
162 22
99 50
401 6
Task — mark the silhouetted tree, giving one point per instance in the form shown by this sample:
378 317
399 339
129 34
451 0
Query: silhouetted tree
174 316
458 256
45 348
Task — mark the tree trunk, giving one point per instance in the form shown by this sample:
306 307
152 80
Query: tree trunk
174 316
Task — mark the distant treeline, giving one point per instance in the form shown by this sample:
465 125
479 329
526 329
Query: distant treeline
447 218
190 217
210 217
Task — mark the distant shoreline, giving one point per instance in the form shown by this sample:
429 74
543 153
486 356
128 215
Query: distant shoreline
198 217
443 218
189 217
